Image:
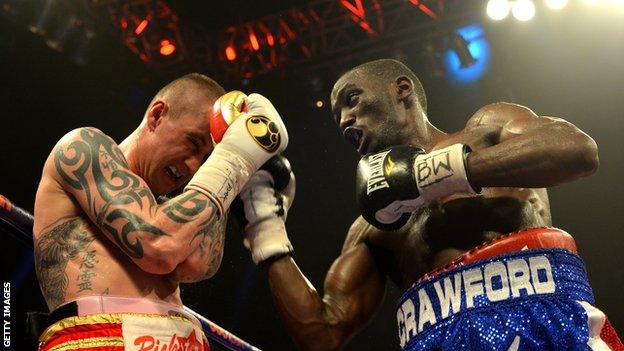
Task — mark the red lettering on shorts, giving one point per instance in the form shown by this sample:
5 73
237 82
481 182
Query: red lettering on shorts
146 341
176 343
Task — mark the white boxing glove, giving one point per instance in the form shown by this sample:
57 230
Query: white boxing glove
248 131
266 198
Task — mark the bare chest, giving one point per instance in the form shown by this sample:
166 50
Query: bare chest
438 233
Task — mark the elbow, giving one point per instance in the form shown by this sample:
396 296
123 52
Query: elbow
587 160
156 266
160 257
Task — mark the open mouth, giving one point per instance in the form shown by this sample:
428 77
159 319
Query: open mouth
354 136
173 172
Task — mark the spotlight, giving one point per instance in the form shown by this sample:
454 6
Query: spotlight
167 47
523 10
230 53
497 9
319 103
556 4
460 46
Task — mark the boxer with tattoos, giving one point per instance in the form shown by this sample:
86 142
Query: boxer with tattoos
109 257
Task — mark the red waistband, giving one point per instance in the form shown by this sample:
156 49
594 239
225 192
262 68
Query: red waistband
526 239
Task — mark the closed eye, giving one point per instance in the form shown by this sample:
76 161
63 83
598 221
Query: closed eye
351 98
194 143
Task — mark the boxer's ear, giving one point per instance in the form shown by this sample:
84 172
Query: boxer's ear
405 89
155 114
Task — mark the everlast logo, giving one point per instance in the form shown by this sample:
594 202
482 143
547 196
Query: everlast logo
264 131
430 170
389 166
377 180
473 287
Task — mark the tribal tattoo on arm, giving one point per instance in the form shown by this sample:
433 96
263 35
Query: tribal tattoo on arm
92 167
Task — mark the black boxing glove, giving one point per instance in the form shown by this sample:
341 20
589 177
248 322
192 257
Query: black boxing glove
393 183
266 198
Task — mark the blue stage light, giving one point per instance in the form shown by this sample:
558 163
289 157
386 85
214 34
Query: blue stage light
480 51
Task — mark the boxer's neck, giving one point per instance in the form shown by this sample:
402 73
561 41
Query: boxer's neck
130 148
423 134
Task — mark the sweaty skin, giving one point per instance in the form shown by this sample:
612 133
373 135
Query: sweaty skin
515 156
98 228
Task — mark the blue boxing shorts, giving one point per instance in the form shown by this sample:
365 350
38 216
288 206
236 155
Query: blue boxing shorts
525 291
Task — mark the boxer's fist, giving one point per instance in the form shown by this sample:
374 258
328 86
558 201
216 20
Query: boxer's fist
385 189
266 198
247 131
394 182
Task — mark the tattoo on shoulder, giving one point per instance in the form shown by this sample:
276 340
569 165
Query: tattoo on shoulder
54 249
93 155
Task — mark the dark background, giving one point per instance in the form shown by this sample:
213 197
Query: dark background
568 64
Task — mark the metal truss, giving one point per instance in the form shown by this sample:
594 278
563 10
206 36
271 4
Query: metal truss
316 32
319 34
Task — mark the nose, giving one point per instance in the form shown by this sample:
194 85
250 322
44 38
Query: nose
193 163
346 119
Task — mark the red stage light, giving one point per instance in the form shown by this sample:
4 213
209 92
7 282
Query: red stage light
123 23
230 53
424 9
166 47
141 27
270 39
254 41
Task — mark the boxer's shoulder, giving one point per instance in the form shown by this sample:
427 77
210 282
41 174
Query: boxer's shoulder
498 114
84 134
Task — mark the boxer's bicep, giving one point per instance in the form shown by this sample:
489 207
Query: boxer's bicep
354 289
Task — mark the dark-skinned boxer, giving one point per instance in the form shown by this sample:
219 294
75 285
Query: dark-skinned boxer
109 258
460 221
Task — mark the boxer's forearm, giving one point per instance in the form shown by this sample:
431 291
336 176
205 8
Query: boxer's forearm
353 291
204 262
553 153
303 311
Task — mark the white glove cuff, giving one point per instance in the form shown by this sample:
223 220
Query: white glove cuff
443 172
267 238
222 176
